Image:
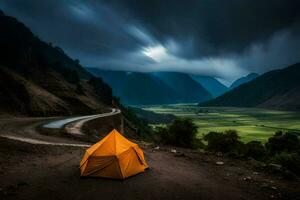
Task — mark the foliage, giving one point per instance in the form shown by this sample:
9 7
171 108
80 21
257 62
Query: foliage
102 89
254 149
181 132
246 121
48 67
223 142
141 126
152 117
280 142
70 75
290 161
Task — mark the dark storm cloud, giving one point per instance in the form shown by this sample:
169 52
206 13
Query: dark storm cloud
221 38
211 27
76 25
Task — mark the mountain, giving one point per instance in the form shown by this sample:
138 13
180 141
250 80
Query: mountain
136 88
212 85
41 80
244 79
279 89
188 90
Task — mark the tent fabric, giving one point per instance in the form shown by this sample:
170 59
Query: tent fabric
113 157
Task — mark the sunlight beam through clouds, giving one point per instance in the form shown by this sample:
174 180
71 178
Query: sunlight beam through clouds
157 53
224 69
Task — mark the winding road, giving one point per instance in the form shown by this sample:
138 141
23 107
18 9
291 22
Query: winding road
81 119
72 125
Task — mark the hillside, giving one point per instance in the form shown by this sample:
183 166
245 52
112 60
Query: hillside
279 89
136 88
41 80
212 85
244 79
188 90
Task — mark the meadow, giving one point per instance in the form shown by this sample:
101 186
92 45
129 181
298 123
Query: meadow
251 123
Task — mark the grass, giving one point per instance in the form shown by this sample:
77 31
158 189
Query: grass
251 123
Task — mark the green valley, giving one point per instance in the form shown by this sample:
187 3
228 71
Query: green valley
251 123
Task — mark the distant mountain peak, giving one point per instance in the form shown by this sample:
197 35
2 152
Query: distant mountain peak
153 88
243 80
215 87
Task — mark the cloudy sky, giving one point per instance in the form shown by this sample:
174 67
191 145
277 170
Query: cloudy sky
221 38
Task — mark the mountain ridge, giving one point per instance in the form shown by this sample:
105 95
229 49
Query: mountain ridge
243 80
41 80
215 87
277 89
137 88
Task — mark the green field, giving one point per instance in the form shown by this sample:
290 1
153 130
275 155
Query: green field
251 123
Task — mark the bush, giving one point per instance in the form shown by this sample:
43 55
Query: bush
280 142
255 149
223 142
181 132
290 161
163 134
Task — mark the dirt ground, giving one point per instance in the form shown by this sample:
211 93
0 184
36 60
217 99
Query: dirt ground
31 171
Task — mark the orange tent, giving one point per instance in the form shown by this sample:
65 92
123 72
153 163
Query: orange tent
113 157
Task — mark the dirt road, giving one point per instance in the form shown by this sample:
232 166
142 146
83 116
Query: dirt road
37 171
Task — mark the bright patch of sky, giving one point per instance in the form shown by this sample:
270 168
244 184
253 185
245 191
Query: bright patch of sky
225 70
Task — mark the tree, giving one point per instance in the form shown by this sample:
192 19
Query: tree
223 142
288 142
181 132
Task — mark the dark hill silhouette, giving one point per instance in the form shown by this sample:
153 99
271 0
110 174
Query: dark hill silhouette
279 89
212 85
188 90
152 88
244 79
136 88
39 79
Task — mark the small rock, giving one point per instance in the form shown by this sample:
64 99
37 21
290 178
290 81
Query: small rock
220 154
157 148
248 178
219 163
173 151
255 173
276 167
274 188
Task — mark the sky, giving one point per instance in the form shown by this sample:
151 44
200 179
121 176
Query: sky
225 39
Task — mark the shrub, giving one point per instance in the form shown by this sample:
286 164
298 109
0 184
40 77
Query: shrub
181 132
223 142
280 142
290 161
163 134
254 149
